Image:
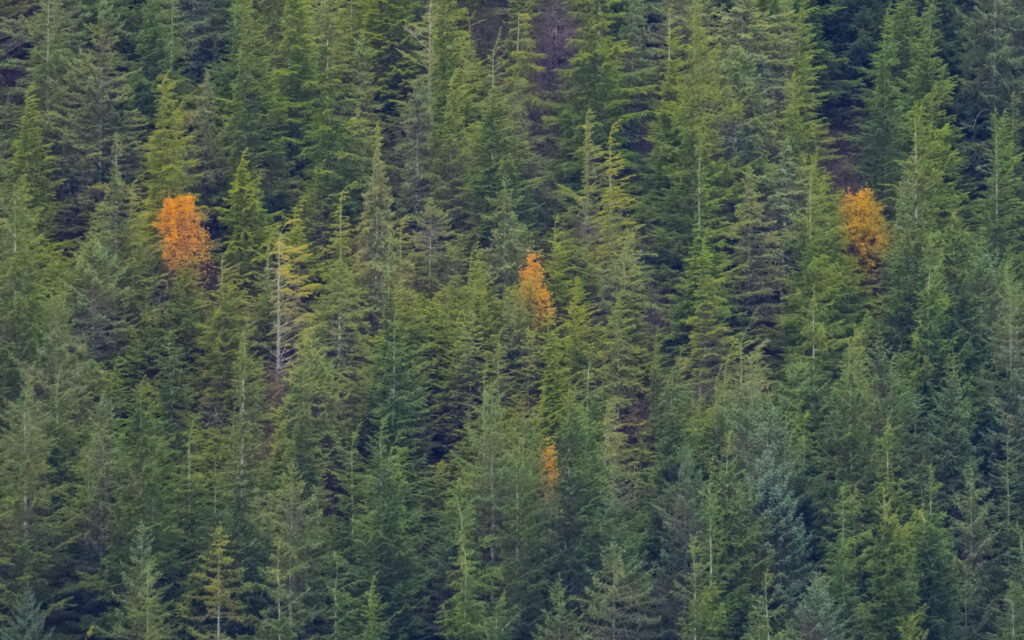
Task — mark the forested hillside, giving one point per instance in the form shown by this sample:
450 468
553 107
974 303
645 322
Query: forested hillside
512 319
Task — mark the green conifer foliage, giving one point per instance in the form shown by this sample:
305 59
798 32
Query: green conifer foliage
143 611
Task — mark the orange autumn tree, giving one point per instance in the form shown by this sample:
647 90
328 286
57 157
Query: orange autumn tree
865 228
184 241
549 466
534 290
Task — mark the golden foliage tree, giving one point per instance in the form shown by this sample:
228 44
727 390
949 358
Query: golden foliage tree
864 226
184 240
549 466
534 290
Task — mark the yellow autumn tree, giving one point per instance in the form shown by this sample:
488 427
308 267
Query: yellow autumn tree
549 466
534 290
865 228
184 240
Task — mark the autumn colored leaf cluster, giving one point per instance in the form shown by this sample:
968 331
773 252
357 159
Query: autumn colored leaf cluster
549 466
864 226
535 291
184 241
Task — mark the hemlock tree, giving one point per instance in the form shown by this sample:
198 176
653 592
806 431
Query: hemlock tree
27 620
142 610
247 222
210 606
507 320
169 160
617 600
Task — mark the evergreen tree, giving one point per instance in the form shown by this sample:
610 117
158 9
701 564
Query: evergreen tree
311 413
254 108
246 220
761 266
31 167
891 575
142 612
508 236
384 546
291 581
28 492
237 449
212 171
340 309
29 265
1008 627
1003 202
689 170
906 69
817 617
210 606
380 24
99 293
287 289
375 626
709 342
150 483
169 159
616 601
990 62
160 42
559 622
27 620
375 234
292 76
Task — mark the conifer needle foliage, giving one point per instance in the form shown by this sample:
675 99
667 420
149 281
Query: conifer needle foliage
512 319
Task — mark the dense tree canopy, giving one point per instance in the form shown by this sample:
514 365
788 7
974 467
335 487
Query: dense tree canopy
501 320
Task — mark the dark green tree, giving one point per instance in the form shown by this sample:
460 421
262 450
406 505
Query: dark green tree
247 222
27 620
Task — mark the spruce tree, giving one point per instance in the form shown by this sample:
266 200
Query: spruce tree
709 341
761 267
142 611
287 287
292 582
28 265
31 168
1008 626
150 481
375 234
210 606
559 622
616 602
310 416
375 626
27 493
384 546
236 450
340 309
816 616
1003 203
99 294
169 156
990 62
160 42
27 620
247 222
255 111
890 573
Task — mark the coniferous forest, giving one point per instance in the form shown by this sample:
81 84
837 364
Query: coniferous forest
512 319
